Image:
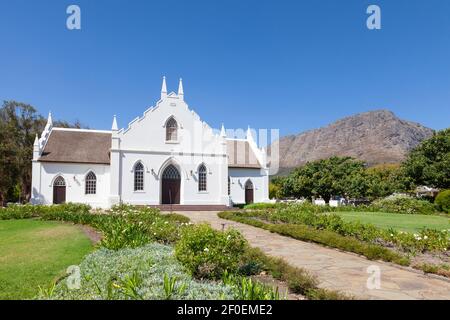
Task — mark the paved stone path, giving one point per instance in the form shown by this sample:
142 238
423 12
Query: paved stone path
336 270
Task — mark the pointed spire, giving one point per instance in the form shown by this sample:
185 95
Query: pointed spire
180 90
36 141
223 134
164 88
249 133
49 119
114 124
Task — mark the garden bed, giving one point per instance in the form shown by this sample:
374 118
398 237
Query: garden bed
142 255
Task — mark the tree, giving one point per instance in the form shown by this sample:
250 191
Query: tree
326 178
276 188
384 180
19 124
429 163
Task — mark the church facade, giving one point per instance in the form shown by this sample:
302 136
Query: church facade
166 156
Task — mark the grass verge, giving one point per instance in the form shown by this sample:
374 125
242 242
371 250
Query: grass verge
34 253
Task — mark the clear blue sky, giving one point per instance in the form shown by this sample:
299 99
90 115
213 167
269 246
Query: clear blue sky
292 65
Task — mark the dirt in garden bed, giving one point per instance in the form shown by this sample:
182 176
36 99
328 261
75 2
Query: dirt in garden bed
92 234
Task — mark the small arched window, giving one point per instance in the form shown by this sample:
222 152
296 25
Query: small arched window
139 177
171 130
202 178
91 183
59 182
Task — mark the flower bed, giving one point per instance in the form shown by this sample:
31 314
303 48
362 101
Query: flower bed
136 258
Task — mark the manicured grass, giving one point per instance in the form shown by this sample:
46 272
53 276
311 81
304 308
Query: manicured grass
34 253
402 222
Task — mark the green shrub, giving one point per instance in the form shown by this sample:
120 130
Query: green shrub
208 253
265 205
404 204
122 226
443 201
149 272
53 212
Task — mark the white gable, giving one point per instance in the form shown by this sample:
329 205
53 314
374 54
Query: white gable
149 132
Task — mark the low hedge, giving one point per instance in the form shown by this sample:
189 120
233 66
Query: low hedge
404 205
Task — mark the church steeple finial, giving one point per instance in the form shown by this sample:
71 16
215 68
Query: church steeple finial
114 126
223 133
181 90
49 119
164 88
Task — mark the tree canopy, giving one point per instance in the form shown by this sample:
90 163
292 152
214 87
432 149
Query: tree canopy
19 124
429 163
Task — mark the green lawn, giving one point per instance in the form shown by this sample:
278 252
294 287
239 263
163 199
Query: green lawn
34 252
403 222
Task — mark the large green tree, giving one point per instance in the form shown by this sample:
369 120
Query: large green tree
384 180
326 178
19 124
429 163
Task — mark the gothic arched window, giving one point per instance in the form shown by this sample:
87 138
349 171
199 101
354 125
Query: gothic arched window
202 178
91 183
139 177
59 182
171 130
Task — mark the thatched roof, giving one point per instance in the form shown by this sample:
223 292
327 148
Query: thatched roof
77 146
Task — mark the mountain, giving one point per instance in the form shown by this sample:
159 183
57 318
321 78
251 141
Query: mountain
376 137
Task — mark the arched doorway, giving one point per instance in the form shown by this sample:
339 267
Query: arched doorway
59 190
249 192
170 185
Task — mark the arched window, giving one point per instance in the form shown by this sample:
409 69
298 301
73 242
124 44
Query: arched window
139 177
171 130
91 183
59 182
171 173
202 178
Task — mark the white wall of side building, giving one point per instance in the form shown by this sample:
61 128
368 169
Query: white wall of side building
45 173
238 178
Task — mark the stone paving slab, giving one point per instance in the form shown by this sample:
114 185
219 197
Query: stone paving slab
337 270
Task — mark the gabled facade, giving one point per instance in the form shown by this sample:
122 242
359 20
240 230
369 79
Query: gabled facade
166 156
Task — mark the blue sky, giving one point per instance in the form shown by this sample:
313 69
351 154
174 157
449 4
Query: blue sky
292 65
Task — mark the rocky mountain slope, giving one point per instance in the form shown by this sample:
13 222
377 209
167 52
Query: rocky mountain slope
375 137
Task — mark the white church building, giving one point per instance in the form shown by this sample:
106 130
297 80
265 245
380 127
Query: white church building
168 156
